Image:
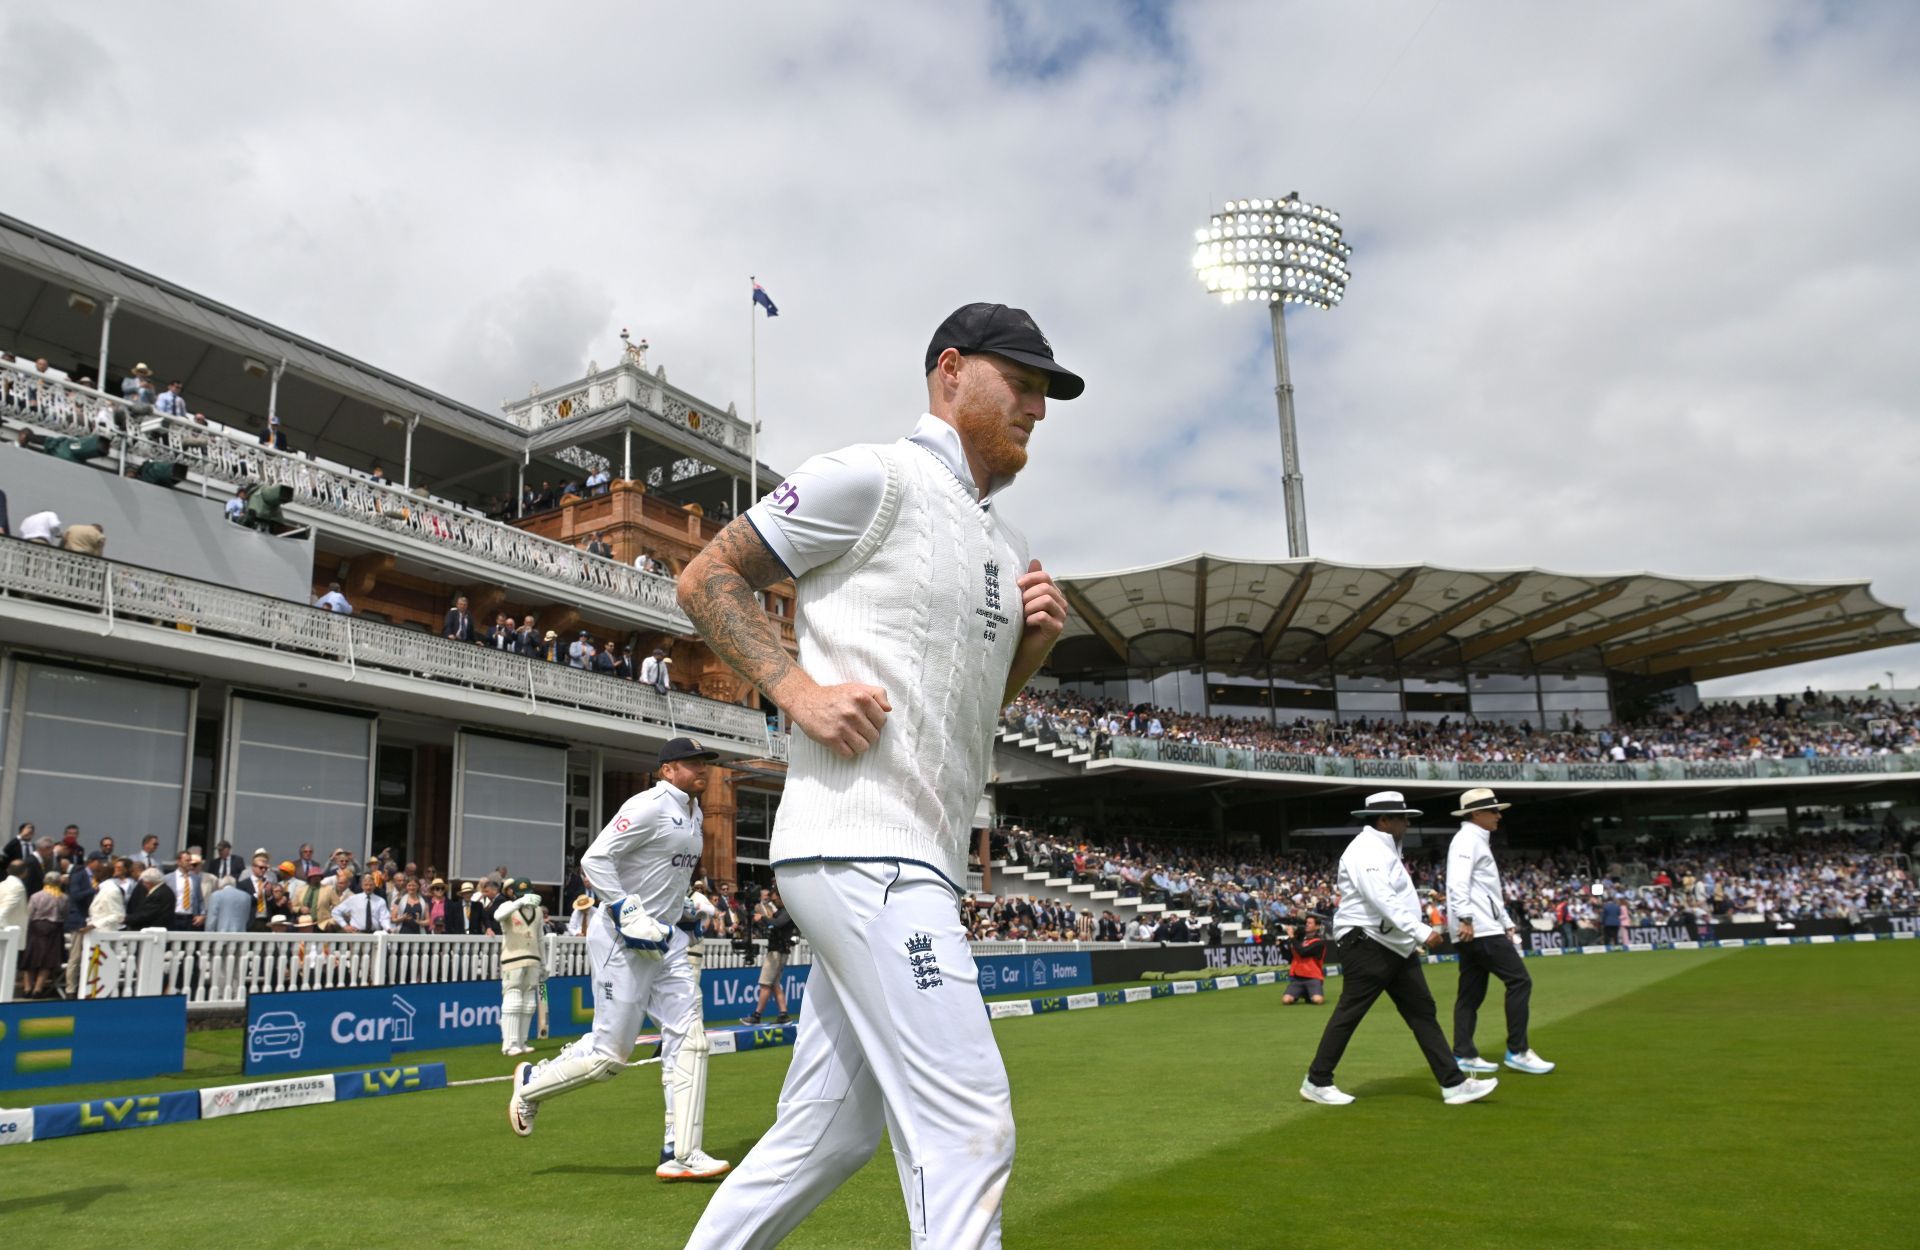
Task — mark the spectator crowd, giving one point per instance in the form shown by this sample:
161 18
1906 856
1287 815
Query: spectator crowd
1811 725
1844 875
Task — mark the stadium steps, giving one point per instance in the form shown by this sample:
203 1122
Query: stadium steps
1057 882
1080 758
1103 895
1029 742
1081 889
1150 909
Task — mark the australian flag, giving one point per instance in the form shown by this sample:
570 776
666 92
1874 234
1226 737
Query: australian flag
765 301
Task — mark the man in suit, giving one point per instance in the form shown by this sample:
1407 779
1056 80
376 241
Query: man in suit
152 905
454 920
190 888
459 626
226 863
230 909
526 640
19 846
331 895
305 863
39 862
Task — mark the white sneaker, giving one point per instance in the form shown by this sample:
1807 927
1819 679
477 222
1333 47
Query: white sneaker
1470 1090
520 1114
1528 1062
1325 1095
698 1166
1476 1065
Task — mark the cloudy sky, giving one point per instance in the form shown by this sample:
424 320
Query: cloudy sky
1632 283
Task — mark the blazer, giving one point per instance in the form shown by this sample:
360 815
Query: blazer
459 626
152 910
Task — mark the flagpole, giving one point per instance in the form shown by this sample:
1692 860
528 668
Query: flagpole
753 402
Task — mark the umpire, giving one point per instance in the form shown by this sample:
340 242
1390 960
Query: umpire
1483 934
1378 933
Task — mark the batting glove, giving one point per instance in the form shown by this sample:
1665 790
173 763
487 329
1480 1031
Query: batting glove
638 930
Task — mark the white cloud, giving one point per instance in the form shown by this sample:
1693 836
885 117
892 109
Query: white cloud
1631 284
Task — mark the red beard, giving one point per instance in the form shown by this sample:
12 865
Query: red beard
987 432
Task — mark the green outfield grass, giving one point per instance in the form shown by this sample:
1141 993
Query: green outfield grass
1749 1098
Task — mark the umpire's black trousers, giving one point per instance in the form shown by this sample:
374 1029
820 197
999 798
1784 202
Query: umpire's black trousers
1367 970
1480 958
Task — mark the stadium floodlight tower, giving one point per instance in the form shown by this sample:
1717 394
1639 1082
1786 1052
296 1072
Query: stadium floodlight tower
1277 252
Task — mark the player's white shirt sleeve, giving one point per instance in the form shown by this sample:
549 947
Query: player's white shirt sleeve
822 509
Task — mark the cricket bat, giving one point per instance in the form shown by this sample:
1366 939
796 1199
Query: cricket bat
542 1027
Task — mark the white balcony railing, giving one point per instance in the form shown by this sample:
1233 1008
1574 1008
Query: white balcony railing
216 971
228 459
120 592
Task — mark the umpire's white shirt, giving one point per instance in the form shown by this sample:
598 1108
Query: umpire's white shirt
906 579
1377 895
1473 885
648 852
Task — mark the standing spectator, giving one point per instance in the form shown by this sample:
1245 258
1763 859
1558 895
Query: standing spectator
226 863
410 911
606 659
330 898
480 918
46 938
89 538
598 546
151 905
334 601
1609 919
459 624
172 403
191 887
14 913
230 908
526 640
580 650
236 510
503 635
20 845
654 671
454 918
437 906
365 912
148 856
304 863
41 864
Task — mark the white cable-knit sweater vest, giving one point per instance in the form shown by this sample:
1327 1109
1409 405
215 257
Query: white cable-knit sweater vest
925 606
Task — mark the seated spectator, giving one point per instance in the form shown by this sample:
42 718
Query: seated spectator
377 473
137 387
237 506
334 601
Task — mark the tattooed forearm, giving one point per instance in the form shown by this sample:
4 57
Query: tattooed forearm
716 592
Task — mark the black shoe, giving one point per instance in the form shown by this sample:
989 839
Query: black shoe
782 1018
752 1019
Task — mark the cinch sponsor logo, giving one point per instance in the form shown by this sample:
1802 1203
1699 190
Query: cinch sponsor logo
108 1112
39 1060
687 860
387 1080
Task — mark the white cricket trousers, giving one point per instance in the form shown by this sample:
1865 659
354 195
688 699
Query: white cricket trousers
892 1034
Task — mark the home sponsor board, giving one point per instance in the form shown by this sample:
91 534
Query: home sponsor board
66 1043
299 1032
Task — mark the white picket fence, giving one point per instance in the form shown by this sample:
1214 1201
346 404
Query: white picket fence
216 971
